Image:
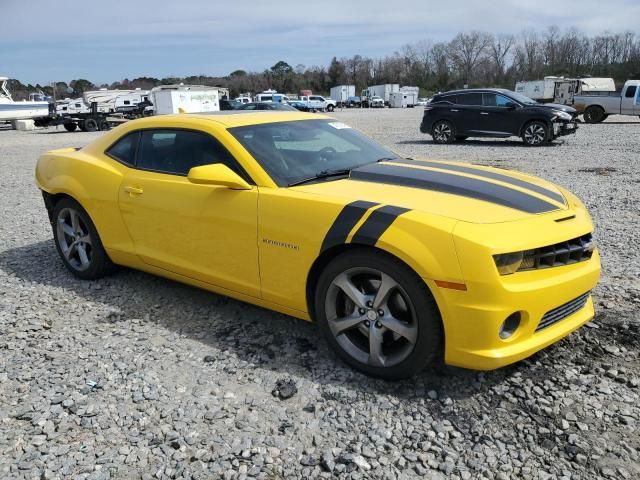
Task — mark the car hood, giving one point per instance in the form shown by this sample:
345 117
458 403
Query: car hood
464 192
555 106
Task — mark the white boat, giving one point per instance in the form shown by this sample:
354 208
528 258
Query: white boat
12 110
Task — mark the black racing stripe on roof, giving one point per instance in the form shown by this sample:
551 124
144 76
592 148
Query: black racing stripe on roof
453 184
348 217
376 224
487 174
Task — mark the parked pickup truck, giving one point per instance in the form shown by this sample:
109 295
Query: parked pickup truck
317 102
596 107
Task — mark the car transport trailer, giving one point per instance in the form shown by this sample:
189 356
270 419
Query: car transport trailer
90 121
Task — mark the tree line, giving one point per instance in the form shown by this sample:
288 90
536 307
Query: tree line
473 59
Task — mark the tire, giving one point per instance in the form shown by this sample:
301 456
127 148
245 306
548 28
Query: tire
461 138
408 308
90 125
70 127
104 126
443 132
536 133
78 242
594 114
330 108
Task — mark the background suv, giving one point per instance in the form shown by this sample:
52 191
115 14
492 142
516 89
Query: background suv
493 112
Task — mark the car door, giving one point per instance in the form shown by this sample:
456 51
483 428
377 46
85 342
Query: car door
627 106
636 105
204 232
316 102
468 109
496 116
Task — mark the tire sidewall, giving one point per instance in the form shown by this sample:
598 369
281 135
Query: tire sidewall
429 343
100 262
547 134
451 138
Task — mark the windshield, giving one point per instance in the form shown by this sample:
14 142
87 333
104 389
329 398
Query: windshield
292 151
521 98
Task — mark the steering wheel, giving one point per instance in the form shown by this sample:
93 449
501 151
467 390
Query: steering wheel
327 154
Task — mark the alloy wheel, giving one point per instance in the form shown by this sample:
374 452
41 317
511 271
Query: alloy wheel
371 317
442 132
74 239
535 134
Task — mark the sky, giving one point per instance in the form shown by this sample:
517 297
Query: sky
59 40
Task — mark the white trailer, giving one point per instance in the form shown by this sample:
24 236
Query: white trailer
168 99
341 93
412 95
130 102
403 99
539 90
382 91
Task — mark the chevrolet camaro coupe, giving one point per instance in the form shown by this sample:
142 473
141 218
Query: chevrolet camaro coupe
399 261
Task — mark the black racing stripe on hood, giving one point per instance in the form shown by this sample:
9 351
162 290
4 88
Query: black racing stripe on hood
487 174
348 217
450 183
376 224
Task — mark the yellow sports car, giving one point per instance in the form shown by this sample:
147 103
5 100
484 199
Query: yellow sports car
398 260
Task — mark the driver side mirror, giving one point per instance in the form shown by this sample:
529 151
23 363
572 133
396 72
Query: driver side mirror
511 105
217 174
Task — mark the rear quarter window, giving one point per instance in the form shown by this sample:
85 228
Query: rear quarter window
124 150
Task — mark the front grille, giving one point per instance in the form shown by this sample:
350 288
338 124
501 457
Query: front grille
564 253
563 311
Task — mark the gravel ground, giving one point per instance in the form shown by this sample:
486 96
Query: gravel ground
134 376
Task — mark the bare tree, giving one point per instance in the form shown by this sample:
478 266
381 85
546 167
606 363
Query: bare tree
467 49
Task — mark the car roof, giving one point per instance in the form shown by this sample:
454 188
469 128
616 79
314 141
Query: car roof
475 90
241 118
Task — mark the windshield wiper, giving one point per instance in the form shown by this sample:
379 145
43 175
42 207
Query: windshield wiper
321 175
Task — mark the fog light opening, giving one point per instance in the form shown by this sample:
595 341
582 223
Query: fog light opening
509 326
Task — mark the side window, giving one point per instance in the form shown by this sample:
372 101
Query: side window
470 99
124 150
178 151
502 101
489 100
631 91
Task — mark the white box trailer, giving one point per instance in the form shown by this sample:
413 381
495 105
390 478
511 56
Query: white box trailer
403 99
341 93
383 91
412 95
539 90
168 99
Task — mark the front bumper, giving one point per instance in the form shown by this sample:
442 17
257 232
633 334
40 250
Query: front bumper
561 129
473 318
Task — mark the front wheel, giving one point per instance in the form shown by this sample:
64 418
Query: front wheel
536 133
330 108
378 315
443 131
77 241
594 114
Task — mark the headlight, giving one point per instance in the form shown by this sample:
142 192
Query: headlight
562 115
508 263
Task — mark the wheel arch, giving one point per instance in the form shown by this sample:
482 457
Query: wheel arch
328 255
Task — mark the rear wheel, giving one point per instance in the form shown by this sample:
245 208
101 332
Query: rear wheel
443 131
104 126
536 133
77 241
378 315
594 114
70 127
90 125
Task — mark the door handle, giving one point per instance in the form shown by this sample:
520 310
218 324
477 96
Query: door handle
133 190
454 110
484 113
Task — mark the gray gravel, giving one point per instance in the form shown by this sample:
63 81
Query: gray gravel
134 376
